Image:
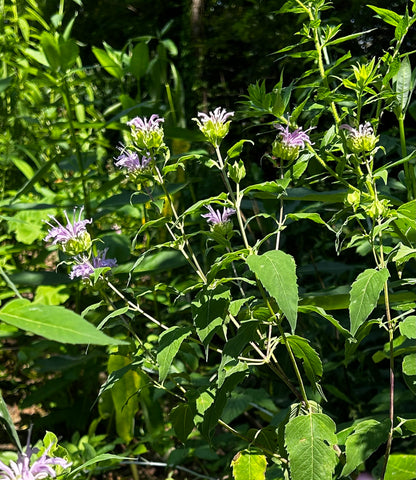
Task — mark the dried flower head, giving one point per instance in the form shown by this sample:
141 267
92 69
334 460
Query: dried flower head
147 133
74 237
360 140
288 144
214 125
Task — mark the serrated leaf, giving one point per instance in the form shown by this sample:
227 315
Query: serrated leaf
182 419
170 342
53 322
249 465
276 270
367 436
408 327
310 441
364 295
311 361
401 467
209 310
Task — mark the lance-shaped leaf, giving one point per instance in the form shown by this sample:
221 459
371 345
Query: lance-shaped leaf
249 465
309 441
169 344
364 295
276 270
53 322
7 422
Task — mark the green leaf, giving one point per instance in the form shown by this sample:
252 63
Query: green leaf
125 396
53 322
108 63
310 441
237 148
403 84
388 16
209 310
182 419
314 217
311 361
401 467
408 327
104 457
409 364
7 422
367 436
140 60
364 295
170 342
249 465
276 270
50 48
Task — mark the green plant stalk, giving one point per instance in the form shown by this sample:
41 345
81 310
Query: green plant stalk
191 258
320 49
236 199
281 212
68 105
409 171
390 325
288 347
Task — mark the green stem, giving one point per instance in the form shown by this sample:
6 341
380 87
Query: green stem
409 172
236 199
191 258
286 343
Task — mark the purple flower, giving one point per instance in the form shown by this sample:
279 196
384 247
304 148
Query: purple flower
362 139
40 468
288 144
215 217
131 161
147 133
218 117
85 267
214 125
145 125
74 237
298 138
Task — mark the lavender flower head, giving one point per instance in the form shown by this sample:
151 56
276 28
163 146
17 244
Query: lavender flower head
288 144
360 140
74 237
85 267
220 222
40 468
147 133
132 162
214 125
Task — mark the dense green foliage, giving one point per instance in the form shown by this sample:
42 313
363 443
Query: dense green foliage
272 340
